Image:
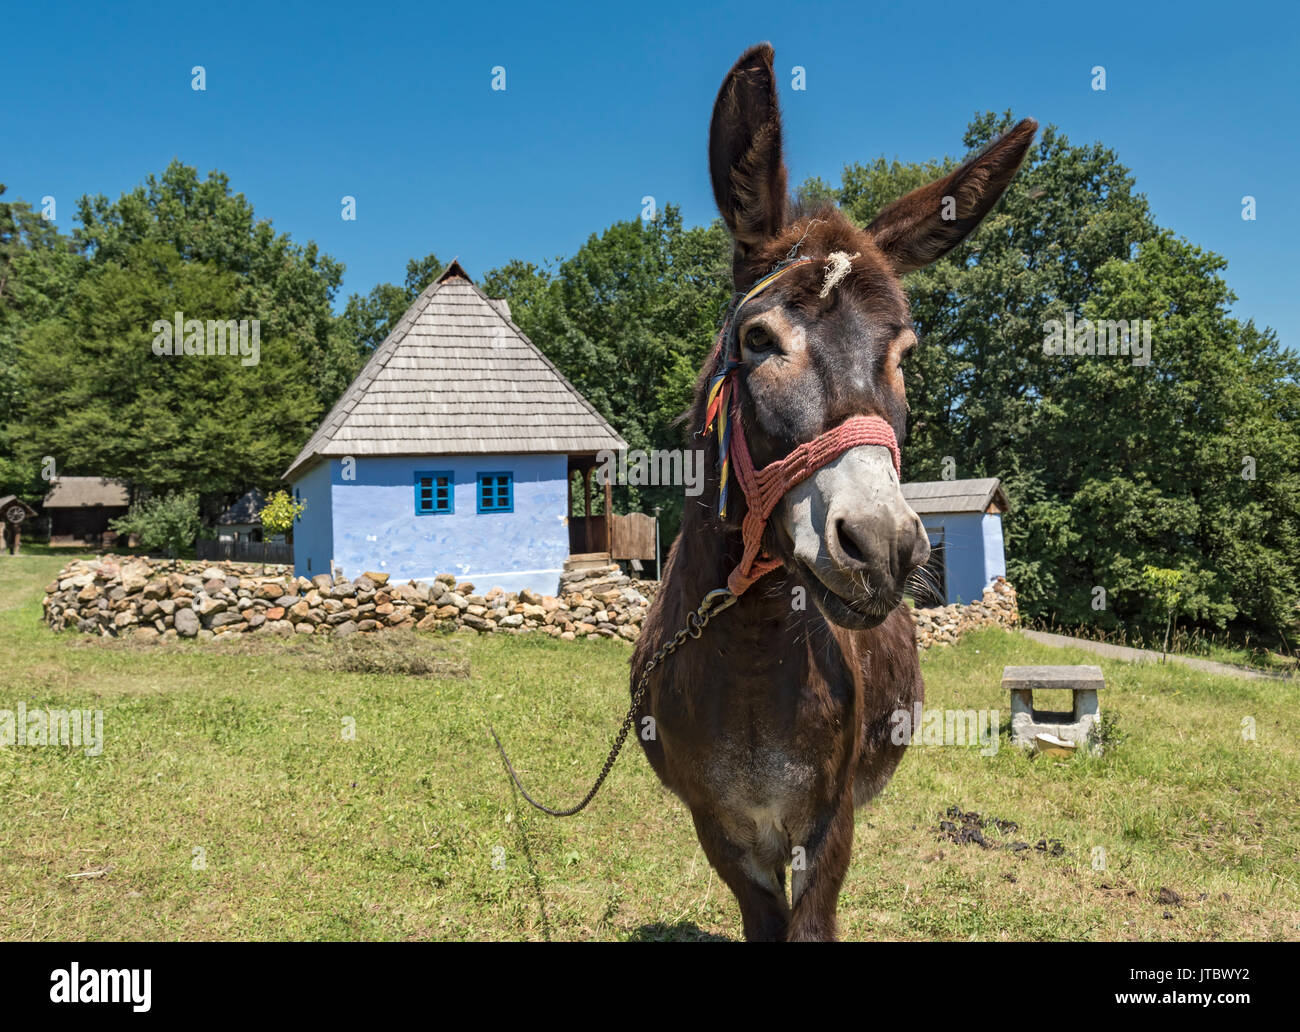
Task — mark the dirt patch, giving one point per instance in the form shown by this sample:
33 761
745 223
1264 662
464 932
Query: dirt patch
396 652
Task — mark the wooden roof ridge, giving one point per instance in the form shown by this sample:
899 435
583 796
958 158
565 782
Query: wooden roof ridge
453 269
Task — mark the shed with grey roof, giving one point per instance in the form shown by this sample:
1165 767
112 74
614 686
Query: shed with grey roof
963 519
453 451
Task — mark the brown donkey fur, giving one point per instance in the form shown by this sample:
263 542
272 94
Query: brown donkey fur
775 724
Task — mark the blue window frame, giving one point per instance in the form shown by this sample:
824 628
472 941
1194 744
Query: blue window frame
434 494
496 492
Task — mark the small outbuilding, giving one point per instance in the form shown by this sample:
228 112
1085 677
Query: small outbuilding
14 512
80 508
242 522
456 450
963 519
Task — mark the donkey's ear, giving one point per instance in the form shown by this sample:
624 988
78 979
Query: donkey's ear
929 222
749 179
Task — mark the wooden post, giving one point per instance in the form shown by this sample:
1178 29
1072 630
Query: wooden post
12 514
586 507
568 506
609 517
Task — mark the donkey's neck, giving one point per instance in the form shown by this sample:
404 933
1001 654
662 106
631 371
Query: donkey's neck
703 556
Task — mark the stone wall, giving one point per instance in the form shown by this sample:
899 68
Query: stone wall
150 599
944 625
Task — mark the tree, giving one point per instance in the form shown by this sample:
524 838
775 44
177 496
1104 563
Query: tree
290 287
38 266
279 513
1110 466
367 319
278 516
630 319
1166 587
101 401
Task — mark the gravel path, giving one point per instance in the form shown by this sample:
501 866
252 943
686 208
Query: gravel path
1132 655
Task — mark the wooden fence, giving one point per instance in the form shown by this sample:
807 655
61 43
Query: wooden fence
623 537
244 551
633 536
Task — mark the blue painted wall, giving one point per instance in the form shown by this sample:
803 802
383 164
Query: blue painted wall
995 557
374 525
973 551
313 533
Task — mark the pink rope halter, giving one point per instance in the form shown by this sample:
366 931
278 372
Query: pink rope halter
764 488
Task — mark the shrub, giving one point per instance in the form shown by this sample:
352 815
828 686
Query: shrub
169 523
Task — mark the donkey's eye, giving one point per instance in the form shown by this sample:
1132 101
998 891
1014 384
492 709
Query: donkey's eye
758 338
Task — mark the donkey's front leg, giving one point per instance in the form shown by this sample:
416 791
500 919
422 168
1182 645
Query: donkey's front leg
815 885
759 890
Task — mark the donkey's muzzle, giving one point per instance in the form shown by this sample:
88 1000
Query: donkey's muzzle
882 543
855 534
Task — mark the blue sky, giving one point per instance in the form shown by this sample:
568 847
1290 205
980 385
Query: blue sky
605 104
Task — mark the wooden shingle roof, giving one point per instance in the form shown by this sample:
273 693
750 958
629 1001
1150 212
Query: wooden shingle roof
933 496
86 493
457 377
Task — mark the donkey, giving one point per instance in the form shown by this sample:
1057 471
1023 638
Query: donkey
776 723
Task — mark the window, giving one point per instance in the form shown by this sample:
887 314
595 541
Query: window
496 492
433 494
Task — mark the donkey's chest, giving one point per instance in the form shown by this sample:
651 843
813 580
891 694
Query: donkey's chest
768 774
758 746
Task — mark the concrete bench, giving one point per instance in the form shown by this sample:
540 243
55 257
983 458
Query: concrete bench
1074 726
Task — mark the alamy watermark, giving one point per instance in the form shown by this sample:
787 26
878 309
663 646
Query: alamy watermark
183 336
77 728
74 984
669 468
1107 337
946 727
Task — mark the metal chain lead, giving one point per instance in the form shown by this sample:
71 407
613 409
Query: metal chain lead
714 603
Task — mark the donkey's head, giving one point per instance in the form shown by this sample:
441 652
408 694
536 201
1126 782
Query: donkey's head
826 341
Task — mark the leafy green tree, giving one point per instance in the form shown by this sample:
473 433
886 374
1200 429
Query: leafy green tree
279 514
290 287
629 319
38 266
101 401
368 318
1110 466
1190 460
1166 587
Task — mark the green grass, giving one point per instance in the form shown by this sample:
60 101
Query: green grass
411 830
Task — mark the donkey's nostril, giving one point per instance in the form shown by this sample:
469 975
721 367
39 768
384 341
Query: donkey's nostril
848 544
